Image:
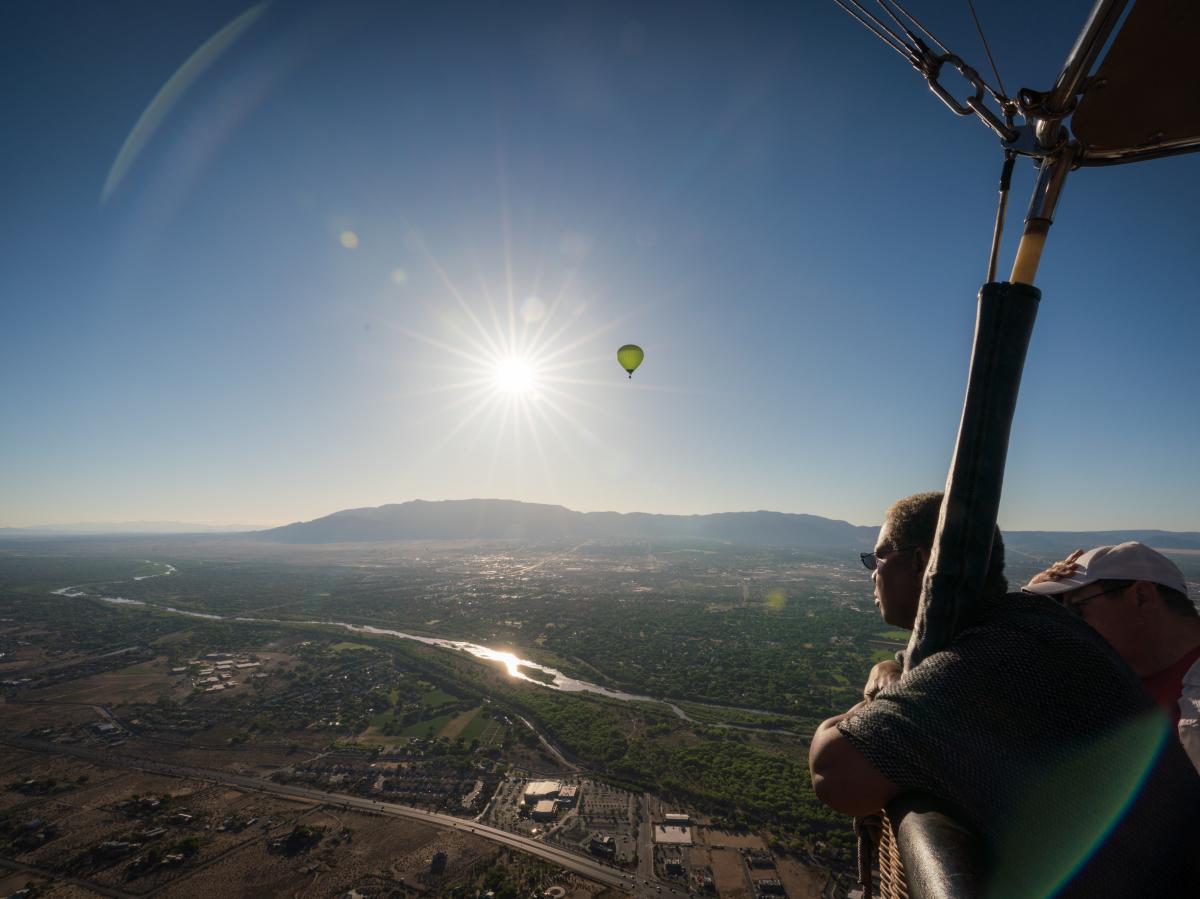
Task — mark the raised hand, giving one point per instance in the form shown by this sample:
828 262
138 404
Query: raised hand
1059 570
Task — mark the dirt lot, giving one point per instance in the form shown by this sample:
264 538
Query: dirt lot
801 881
49 888
730 840
333 866
79 829
12 759
249 759
109 689
106 787
142 682
22 717
87 815
227 836
234 857
728 874
11 881
19 658
63 771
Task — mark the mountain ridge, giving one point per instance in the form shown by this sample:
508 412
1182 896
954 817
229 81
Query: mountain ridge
504 519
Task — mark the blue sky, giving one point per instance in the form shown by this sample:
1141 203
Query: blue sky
763 196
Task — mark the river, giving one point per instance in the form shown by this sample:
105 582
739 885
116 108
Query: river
551 678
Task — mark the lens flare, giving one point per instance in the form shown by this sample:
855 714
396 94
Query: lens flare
1098 782
775 601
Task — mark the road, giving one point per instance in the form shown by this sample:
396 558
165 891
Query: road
645 845
580 864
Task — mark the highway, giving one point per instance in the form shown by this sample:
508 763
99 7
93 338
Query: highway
572 861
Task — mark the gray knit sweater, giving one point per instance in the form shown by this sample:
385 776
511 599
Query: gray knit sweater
1045 742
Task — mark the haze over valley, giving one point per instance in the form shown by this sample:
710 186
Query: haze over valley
408 655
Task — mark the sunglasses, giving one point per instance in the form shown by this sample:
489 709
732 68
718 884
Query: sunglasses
1076 608
871 560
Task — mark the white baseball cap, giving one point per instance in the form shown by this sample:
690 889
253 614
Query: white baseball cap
1130 561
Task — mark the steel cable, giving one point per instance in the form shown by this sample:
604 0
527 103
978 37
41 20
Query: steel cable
988 51
879 29
929 34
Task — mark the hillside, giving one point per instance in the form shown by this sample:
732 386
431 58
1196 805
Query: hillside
500 519
496 519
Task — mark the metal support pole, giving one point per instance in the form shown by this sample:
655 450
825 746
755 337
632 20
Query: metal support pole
1046 192
963 543
1010 159
962 546
1060 100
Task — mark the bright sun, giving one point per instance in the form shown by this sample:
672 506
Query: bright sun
515 370
515 376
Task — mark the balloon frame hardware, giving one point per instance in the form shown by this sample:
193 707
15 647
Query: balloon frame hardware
931 67
1044 111
1046 139
1005 315
918 54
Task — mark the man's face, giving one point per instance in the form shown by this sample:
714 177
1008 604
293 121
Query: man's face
897 579
1114 613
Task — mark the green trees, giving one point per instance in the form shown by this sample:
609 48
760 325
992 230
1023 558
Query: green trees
583 729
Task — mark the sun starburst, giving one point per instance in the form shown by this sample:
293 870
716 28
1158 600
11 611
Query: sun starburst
514 373
516 376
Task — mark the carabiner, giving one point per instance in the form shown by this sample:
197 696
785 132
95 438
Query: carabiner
974 104
931 75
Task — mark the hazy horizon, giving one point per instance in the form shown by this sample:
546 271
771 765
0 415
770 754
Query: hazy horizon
234 527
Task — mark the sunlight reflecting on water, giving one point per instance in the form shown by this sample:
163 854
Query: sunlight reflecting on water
511 663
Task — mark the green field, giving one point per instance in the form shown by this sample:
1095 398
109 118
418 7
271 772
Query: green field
485 730
423 728
432 700
379 719
149 569
347 646
476 727
435 699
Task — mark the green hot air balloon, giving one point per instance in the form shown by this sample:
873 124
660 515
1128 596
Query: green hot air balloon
630 356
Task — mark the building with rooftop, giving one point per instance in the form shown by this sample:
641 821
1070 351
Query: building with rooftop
537 790
603 845
673 834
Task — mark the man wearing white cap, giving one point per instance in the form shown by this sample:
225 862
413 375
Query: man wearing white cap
1136 598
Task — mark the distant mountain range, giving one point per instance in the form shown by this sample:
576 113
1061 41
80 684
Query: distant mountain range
122 528
504 519
501 519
